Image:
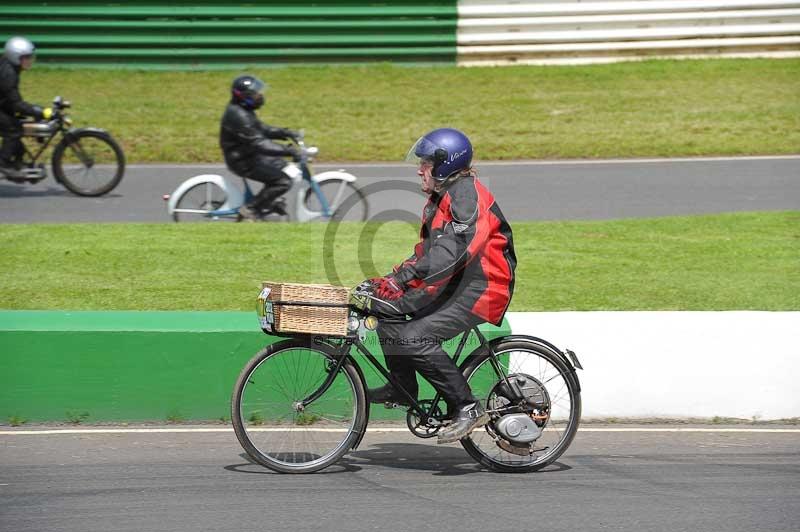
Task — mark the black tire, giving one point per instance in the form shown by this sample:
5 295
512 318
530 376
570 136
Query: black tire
76 166
246 430
558 374
352 205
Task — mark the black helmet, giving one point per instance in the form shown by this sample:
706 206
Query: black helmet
248 91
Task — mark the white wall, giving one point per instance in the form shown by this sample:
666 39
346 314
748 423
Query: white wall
679 364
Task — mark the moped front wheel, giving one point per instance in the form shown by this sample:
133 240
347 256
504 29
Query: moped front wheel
273 424
345 201
88 163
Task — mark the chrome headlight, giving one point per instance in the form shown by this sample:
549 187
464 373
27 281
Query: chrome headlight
353 323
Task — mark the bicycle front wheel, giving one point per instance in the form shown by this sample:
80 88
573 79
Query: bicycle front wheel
88 163
272 425
547 380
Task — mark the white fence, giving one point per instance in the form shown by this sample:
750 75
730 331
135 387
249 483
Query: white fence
679 364
573 31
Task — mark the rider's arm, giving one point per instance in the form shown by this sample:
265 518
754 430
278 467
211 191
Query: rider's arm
418 252
8 87
461 241
247 130
276 132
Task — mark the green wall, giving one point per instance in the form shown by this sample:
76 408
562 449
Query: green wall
131 366
202 35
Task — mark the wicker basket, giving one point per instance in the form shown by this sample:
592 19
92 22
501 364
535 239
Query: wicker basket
304 319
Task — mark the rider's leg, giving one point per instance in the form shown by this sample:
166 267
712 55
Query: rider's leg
401 369
12 147
418 342
270 171
416 345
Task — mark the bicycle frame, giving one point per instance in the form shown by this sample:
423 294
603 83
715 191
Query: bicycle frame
45 142
344 352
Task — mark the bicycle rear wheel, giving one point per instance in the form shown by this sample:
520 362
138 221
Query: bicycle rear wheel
88 163
547 380
272 426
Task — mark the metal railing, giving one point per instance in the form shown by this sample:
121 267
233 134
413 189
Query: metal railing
219 35
208 34
597 31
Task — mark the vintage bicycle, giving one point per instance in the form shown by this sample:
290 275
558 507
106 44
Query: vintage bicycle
301 404
87 161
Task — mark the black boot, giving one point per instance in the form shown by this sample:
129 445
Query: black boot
249 214
468 417
278 207
11 169
387 394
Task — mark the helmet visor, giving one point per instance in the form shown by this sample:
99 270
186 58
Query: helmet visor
257 86
422 151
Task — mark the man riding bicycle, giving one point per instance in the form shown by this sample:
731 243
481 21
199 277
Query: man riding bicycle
250 151
18 56
460 274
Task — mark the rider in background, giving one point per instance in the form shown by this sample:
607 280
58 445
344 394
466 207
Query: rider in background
249 150
461 274
17 56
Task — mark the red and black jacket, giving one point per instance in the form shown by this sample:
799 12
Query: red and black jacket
466 250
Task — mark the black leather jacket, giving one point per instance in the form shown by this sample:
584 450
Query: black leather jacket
243 137
11 103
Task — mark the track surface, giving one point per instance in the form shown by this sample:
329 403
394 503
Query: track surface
577 190
631 481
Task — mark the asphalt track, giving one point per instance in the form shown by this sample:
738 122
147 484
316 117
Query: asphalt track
558 190
711 480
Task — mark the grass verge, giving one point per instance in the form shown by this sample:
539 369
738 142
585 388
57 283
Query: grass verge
717 262
375 112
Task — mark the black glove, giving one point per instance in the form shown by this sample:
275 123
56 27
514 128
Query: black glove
295 154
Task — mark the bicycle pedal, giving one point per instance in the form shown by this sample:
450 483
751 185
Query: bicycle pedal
389 405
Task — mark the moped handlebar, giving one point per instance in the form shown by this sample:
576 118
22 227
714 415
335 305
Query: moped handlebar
61 103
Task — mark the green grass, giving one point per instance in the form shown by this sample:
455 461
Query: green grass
718 262
374 113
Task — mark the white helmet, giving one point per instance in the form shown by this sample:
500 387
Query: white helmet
18 47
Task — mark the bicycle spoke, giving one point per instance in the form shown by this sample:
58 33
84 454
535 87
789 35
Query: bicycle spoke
282 430
89 165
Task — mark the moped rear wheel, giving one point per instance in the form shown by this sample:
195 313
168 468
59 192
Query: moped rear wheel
549 383
275 429
88 163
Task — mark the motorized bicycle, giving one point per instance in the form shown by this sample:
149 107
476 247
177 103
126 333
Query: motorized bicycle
301 404
87 161
317 197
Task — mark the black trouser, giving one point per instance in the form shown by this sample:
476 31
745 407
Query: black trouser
267 170
417 345
11 131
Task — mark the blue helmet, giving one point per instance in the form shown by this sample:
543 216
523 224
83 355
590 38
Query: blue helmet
448 149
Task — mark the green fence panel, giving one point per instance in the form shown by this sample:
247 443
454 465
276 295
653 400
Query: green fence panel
135 366
203 35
